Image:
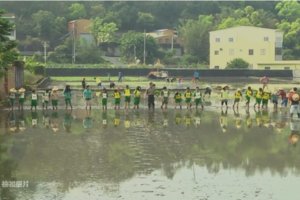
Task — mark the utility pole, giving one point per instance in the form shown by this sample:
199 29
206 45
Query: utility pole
134 54
45 52
144 46
172 42
74 45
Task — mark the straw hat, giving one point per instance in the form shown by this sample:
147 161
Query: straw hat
13 129
22 128
295 138
13 90
238 126
239 89
279 130
224 130
55 129
22 90
54 88
295 97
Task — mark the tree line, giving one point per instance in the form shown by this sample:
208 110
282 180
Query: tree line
47 21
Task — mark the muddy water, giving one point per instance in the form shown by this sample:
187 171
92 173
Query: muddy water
149 155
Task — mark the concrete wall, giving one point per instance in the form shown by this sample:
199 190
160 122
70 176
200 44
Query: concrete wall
172 72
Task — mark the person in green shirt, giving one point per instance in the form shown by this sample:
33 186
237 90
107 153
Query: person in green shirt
165 97
178 99
198 97
237 98
45 99
117 96
137 97
12 97
68 94
21 95
258 97
87 95
127 93
104 99
248 95
34 100
188 97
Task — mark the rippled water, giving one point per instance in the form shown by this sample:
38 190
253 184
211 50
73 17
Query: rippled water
146 154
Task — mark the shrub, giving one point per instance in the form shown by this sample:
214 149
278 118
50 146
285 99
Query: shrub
237 63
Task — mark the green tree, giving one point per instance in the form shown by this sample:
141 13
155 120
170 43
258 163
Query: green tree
77 11
113 17
237 63
98 11
145 20
195 36
101 31
288 10
134 40
7 47
88 54
44 23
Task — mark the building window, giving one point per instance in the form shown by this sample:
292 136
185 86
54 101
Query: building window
266 39
160 41
251 52
167 41
216 52
251 66
217 67
267 68
286 68
278 39
278 51
263 52
230 39
218 40
231 52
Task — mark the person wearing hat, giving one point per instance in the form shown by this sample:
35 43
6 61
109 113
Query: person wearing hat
165 93
46 98
237 98
34 99
224 96
117 95
87 95
137 97
54 98
68 95
178 99
265 98
104 99
294 100
274 98
98 82
198 97
258 97
188 97
21 95
284 98
248 95
127 93
12 97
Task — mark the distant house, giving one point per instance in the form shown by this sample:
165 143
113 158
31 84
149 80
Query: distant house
80 28
168 39
11 17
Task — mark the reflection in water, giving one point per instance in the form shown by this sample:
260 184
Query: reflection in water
123 145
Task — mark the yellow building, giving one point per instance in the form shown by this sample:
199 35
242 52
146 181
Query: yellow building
254 45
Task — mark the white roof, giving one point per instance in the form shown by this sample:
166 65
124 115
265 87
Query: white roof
246 27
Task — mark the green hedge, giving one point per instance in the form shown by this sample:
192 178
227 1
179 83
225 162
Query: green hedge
39 70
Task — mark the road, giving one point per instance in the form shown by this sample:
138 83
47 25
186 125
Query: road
113 60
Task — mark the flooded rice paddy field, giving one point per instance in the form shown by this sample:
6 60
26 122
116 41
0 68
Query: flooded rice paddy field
149 154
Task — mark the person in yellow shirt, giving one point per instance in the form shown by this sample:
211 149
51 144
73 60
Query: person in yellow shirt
127 93
258 97
237 98
117 95
265 98
98 82
249 93
224 97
